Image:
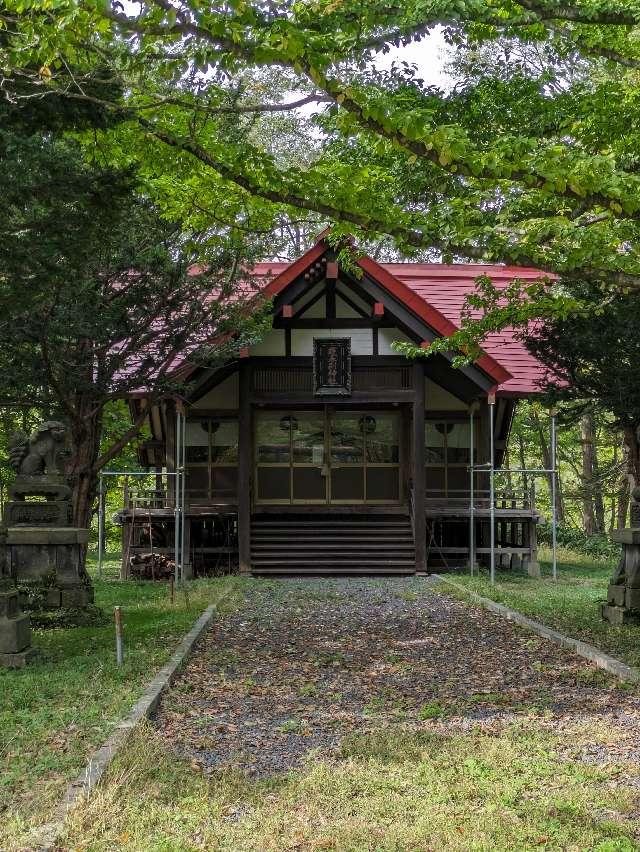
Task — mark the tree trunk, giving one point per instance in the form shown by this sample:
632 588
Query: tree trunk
623 488
523 465
86 430
545 452
598 489
586 441
633 460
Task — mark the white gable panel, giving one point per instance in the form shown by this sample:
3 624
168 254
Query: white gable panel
345 311
364 307
317 311
271 344
223 397
439 399
386 336
302 339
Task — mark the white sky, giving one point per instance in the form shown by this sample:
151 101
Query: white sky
430 55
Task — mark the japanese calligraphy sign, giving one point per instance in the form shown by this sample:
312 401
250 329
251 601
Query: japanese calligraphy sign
332 366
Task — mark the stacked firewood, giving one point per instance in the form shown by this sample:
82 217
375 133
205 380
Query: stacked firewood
151 566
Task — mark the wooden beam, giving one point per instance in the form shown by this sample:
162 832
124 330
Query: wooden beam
330 310
419 518
336 322
309 303
357 397
245 463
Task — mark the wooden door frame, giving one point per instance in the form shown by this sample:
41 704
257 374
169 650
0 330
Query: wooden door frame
329 409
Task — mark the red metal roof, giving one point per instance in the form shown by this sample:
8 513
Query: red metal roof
436 293
445 288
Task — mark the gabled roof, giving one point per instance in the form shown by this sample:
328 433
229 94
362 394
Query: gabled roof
435 293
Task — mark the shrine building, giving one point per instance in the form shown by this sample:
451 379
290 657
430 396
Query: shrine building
321 450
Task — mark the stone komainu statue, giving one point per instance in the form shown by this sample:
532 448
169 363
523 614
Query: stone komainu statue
38 455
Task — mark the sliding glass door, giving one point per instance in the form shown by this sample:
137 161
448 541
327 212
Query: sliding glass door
327 457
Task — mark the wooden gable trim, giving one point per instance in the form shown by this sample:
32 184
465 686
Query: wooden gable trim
414 308
348 301
309 304
211 379
428 314
420 331
296 269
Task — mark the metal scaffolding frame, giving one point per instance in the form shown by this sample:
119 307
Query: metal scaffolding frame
178 513
489 467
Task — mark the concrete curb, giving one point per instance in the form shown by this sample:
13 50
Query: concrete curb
582 649
44 838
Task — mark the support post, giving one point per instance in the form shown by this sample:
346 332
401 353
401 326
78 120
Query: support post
117 612
554 517
492 509
472 474
177 524
183 483
245 457
419 519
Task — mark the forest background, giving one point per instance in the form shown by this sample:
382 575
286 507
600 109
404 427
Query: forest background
291 116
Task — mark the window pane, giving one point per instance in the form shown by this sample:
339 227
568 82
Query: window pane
273 483
272 438
224 482
197 483
197 441
224 442
347 483
435 481
308 439
309 484
346 439
434 442
383 483
458 438
458 482
381 438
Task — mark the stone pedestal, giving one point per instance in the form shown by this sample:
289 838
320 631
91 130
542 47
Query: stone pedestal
47 565
15 632
623 592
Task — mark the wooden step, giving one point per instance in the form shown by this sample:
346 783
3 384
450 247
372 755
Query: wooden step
373 523
354 544
331 545
341 572
328 563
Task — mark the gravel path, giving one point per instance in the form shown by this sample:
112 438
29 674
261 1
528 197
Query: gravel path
305 662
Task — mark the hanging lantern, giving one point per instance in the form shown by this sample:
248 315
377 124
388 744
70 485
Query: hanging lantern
288 422
367 424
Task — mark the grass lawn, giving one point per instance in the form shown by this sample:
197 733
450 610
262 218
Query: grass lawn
427 784
391 790
54 712
570 605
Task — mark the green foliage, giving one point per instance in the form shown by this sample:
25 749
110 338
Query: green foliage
528 159
597 546
102 296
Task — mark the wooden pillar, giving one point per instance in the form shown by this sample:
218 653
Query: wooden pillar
245 464
419 520
170 451
187 566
